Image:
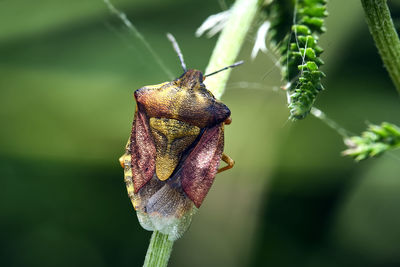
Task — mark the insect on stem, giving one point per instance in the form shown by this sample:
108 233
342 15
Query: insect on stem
171 38
228 67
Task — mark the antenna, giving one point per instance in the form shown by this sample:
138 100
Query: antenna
228 67
171 38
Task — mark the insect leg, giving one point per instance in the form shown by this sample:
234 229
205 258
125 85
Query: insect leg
125 158
225 158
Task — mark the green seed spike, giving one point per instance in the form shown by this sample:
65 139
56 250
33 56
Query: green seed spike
300 53
373 142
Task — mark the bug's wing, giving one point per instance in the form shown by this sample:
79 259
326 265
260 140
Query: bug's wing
201 166
170 211
142 151
163 207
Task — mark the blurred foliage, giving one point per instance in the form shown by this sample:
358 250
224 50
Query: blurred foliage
374 141
68 71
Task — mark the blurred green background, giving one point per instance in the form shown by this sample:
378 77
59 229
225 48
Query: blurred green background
67 73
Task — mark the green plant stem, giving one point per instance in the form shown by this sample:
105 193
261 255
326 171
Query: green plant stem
229 44
159 250
385 36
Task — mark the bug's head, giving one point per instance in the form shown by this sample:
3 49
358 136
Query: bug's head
191 79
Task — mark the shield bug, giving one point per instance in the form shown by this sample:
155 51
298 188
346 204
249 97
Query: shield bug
174 150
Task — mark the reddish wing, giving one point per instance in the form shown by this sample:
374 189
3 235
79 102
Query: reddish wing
201 166
142 151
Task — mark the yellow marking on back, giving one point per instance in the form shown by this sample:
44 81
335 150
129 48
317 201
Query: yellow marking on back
171 137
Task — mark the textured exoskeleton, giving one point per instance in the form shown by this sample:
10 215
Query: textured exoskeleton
174 151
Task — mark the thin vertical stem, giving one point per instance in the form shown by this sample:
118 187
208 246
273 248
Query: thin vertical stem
229 44
385 36
159 250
